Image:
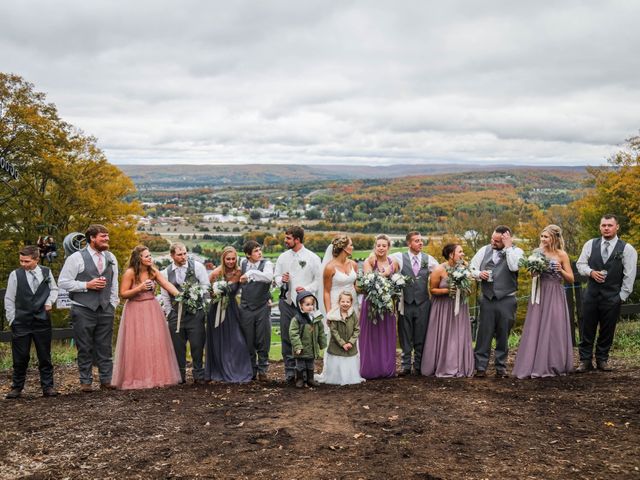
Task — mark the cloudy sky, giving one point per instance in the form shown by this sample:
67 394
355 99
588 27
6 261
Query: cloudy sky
334 82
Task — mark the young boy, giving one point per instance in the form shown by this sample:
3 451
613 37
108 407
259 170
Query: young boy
307 337
31 291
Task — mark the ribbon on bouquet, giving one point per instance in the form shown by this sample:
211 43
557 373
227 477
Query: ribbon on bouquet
401 304
456 310
179 317
220 315
535 291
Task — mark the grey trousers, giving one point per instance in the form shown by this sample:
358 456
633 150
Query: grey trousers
256 328
287 312
303 364
93 335
412 328
496 319
192 330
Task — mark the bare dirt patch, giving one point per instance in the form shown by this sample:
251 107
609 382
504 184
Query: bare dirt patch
580 426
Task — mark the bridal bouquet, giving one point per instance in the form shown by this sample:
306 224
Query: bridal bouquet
536 264
193 297
220 294
459 283
381 292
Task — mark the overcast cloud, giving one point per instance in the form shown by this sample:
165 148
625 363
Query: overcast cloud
335 81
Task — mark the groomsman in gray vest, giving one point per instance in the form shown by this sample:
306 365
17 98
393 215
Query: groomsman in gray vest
413 323
192 324
31 291
91 278
297 269
496 266
610 263
255 306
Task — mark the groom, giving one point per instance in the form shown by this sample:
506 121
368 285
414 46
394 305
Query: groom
192 329
413 323
91 278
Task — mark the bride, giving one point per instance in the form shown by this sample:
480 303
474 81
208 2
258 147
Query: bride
339 275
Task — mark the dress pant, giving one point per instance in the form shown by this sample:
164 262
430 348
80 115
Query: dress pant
256 328
496 320
603 313
412 329
93 335
21 339
287 312
192 330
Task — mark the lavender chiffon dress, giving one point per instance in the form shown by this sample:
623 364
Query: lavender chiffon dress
227 355
447 347
545 348
377 344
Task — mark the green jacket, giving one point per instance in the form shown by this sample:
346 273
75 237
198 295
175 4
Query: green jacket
311 339
343 330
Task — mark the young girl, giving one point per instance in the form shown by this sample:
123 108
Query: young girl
307 337
342 365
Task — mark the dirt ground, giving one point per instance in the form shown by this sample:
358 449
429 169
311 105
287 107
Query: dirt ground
580 426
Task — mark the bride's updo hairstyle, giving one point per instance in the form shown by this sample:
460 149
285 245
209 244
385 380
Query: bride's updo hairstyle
555 232
339 244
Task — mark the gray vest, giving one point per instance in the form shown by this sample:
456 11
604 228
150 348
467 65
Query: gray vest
612 285
94 298
254 295
416 290
30 310
171 276
505 282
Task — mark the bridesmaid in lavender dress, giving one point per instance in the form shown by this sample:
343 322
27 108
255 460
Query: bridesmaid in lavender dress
227 355
447 347
546 349
377 343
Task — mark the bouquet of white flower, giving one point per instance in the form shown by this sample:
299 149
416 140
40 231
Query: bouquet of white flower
220 294
536 264
193 297
382 292
459 283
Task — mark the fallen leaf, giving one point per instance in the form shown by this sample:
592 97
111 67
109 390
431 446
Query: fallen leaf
358 435
366 407
394 417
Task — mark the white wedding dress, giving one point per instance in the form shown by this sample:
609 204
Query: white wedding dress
339 370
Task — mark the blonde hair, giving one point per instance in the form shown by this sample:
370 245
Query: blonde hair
225 252
384 237
344 293
555 232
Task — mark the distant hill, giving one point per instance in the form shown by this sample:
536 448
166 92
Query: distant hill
190 176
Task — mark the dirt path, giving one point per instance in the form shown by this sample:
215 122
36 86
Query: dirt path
580 426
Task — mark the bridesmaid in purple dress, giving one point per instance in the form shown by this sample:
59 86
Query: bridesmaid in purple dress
545 348
227 355
447 347
377 342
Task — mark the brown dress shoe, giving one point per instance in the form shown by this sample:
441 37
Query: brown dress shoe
603 366
262 377
49 392
14 393
584 367
107 386
86 388
480 374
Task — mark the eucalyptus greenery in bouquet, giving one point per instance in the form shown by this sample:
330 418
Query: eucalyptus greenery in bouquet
459 280
193 297
382 293
536 263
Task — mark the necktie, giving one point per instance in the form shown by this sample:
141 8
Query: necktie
34 281
605 252
416 266
100 262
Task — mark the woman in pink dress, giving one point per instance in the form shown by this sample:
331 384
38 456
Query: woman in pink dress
144 353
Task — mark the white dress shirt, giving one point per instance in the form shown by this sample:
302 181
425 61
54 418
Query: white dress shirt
181 272
255 275
12 287
304 269
74 265
629 264
398 257
512 256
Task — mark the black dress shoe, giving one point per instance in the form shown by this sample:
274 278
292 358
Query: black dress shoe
49 392
603 365
14 393
501 373
480 374
404 373
584 367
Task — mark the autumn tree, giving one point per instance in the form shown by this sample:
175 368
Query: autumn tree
65 182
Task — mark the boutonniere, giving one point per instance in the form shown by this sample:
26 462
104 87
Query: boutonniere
302 263
617 255
502 253
424 264
110 261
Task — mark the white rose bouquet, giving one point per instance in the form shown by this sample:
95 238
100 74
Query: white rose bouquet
460 281
536 264
382 293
